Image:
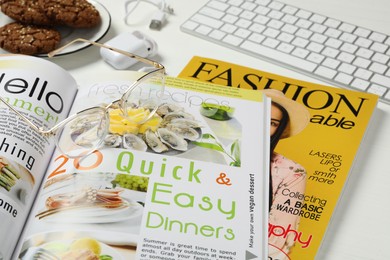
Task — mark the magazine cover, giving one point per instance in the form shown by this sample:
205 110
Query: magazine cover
310 159
185 178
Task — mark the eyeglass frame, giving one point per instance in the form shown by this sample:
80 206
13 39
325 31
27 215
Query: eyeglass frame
159 68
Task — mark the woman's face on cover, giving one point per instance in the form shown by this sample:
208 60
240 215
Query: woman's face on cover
276 117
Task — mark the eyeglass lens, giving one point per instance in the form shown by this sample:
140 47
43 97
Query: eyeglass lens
84 133
146 94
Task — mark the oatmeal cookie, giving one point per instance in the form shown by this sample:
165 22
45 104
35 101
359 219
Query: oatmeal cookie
20 38
72 13
24 11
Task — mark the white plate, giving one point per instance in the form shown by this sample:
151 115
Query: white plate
44 239
68 34
98 215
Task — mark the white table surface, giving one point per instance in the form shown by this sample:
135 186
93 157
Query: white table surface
360 228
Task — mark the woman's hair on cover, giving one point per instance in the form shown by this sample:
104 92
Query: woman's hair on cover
274 141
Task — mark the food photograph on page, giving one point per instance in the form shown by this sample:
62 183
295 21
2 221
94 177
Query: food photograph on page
71 246
16 182
209 132
97 207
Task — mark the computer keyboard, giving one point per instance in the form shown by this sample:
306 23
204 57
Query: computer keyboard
331 50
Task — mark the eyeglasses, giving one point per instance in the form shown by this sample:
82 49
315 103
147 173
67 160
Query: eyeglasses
82 133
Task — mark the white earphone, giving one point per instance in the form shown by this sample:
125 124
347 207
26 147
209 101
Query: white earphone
158 18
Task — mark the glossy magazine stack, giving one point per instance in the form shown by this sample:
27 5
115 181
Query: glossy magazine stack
309 167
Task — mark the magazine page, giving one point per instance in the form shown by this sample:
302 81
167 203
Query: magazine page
45 99
189 183
312 157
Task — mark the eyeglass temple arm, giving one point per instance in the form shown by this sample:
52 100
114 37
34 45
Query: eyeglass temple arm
128 54
25 119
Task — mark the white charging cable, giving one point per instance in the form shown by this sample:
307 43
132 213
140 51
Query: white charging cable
158 18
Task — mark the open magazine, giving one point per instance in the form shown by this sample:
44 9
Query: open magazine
310 164
190 182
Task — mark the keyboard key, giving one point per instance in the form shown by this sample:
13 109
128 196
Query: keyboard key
379 47
218 5
331 32
378 68
290 9
331 63
347 47
317 37
362 42
334 43
285 47
347 37
261 19
362 32
248 6
303 23
304 33
300 42
233 10
228 28
256 37
270 32
315 57
347 68
275 24
232 40
303 14
377 37
262 10
286 37
190 25
203 29
325 72
275 14
299 52
318 28
346 57
330 52
289 28
332 23
217 35
315 47
230 18
243 33
343 78
317 18
347 27
376 89
212 12
243 23
363 74
365 53
289 19
381 80
203 19
236 2
247 15
258 28
269 42
276 5
360 84
361 62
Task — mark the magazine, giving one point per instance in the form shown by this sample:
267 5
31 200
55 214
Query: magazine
185 178
311 163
